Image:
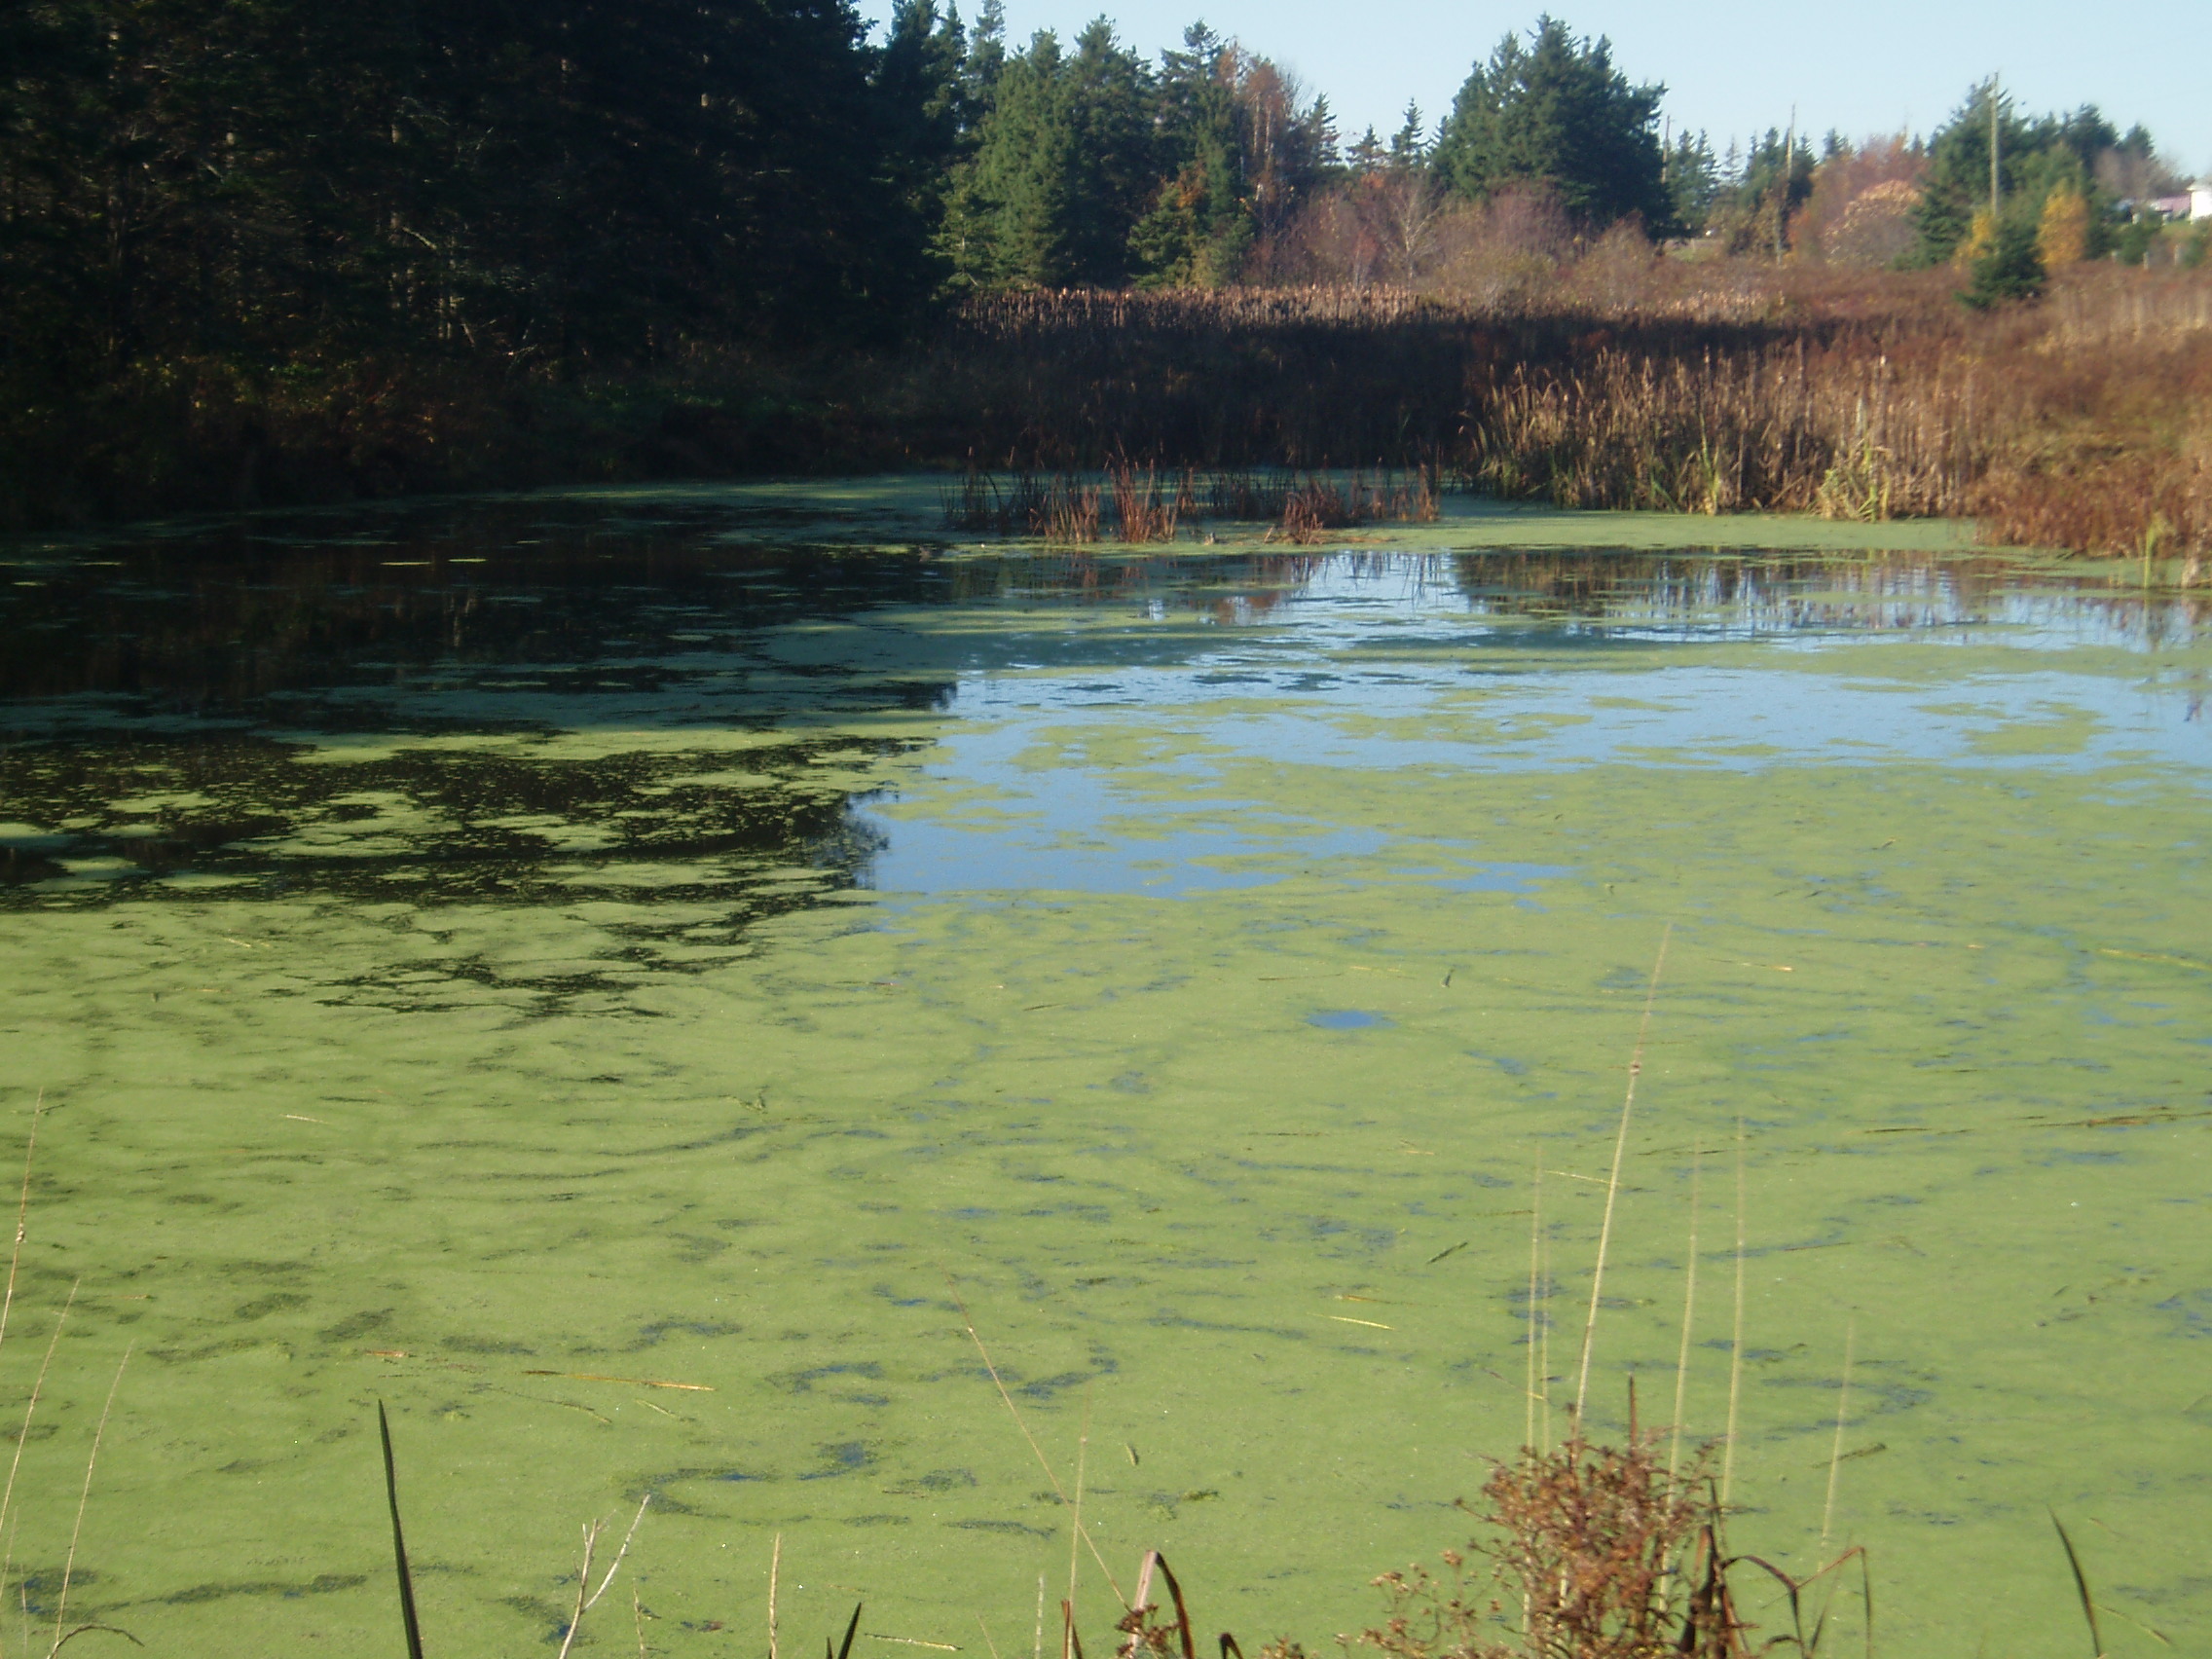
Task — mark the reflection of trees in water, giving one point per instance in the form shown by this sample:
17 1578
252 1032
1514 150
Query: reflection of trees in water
217 620
129 691
1784 593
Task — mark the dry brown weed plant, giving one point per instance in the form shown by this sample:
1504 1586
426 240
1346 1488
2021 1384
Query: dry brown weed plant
1591 1551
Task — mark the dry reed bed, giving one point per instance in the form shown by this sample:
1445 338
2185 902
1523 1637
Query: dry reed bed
1142 505
2083 421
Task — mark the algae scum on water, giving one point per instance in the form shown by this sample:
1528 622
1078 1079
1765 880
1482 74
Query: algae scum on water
494 957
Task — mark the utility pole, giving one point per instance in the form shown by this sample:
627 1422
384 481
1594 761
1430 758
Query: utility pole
1781 202
1993 143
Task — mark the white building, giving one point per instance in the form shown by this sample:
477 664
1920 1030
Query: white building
2192 203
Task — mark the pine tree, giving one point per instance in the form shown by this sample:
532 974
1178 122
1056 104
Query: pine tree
1556 114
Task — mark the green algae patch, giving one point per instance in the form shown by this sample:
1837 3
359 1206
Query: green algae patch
1192 979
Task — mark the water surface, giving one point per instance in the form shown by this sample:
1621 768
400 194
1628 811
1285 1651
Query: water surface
473 951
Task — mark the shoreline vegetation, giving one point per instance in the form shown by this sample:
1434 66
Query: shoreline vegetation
2083 423
278 256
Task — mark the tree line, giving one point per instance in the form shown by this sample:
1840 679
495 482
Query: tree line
582 180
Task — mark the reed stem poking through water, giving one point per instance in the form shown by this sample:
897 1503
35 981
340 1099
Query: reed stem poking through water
83 1498
1613 1181
1689 1308
1536 1269
1044 1462
1835 1456
1075 1535
775 1567
1736 1334
408 1623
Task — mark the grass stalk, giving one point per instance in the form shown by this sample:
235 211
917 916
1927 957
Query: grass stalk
775 1572
1535 1268
1544 1349
1736 1335
1689 1308
1835 1453
22 1216
408 1621
1075 1535
84 1500
2081 1588
1044 1462
22 1439
1613 1181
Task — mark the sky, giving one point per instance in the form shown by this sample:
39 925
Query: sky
1730 68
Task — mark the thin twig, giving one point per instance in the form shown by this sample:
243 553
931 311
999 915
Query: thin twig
583 1583
615 1565
1736 1336
1038 1450
1689 1306
84 1497
1614 1181
1835 1456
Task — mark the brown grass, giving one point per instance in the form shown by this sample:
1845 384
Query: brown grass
2083 421
1311 510
1586 1552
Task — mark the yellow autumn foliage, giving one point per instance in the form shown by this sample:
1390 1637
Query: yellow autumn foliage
2062 236
1980 237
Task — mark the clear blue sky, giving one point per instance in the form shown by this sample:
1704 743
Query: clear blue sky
1729 67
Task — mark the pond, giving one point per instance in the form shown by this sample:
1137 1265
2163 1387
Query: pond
493 956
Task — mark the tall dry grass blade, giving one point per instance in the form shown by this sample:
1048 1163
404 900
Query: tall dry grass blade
987 1641
1835 1453
1689 1308
1736 1334
638 1617
407 1617
1535 1235
1044 1462
1082 1464
1613 1181
844 1649
1544 1349
1040 1649
85 1499
2081 1587
22 1439
22 1215
775 1572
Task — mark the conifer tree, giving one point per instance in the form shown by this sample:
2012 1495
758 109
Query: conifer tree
1556 114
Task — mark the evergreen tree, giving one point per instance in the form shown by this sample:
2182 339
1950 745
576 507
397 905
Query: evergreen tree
1063 169
2034 158
1693 182
1243 149
1557 114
